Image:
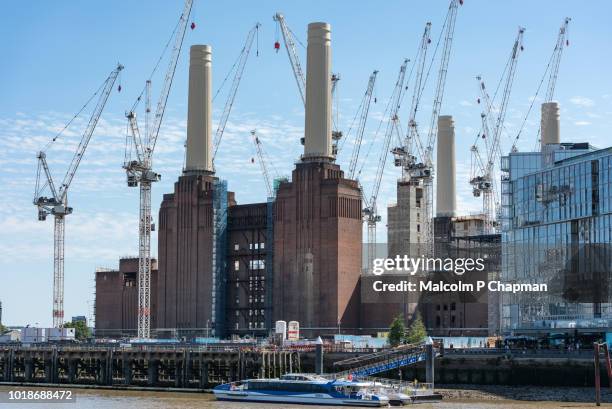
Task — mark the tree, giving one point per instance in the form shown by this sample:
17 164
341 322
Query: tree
396 331
3 329
81 331
417 332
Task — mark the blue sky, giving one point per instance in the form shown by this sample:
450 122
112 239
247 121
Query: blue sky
55 54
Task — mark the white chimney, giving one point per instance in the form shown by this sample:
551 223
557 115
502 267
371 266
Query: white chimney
199 111
446 194
549 124
318 122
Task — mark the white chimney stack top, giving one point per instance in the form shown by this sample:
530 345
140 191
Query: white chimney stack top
318 120
550 129
199 111
446 191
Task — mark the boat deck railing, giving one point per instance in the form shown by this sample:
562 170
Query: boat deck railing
414 388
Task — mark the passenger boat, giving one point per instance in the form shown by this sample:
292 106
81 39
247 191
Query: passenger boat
303 389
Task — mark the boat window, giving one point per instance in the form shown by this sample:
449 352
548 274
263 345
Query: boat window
289 387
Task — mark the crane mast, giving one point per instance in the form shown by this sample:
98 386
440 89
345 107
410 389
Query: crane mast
562 42
262 164
140 172
423 171
370 212
227 109
289 41
365 109
405 155
483 182
57 204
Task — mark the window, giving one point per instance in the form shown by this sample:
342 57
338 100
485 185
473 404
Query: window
236 265
257 264
236 246
262 245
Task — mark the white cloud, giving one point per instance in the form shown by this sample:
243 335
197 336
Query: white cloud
582 101
582 123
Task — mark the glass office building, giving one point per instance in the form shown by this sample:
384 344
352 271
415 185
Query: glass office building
556 229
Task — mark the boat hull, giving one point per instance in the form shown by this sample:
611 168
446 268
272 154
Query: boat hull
306 399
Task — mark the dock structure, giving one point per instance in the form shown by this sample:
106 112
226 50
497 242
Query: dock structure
145 366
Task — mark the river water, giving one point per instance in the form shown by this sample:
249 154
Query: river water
113 399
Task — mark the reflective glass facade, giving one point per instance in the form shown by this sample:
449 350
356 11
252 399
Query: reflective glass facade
557 229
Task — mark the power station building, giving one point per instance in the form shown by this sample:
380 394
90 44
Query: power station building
455 236
116 305
228 269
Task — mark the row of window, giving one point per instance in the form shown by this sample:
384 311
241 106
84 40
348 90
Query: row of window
252 246
253 265
252 299
252 325
252 312
286 386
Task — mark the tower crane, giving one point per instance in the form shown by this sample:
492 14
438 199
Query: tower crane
290 40
552 70
364 109
239 67
57 203
422 172
405 155
140 170
483 169
370 212
262 163
562 42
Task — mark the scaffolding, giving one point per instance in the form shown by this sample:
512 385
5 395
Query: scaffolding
269 261
219 277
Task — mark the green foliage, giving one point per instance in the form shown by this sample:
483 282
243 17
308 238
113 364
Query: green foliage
396 331
417 332
3 329
81 331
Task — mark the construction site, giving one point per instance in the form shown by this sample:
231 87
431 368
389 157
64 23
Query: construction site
246 290
226 269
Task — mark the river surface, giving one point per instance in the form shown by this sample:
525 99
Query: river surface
112 399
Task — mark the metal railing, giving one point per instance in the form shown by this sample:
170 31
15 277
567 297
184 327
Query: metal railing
382 361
